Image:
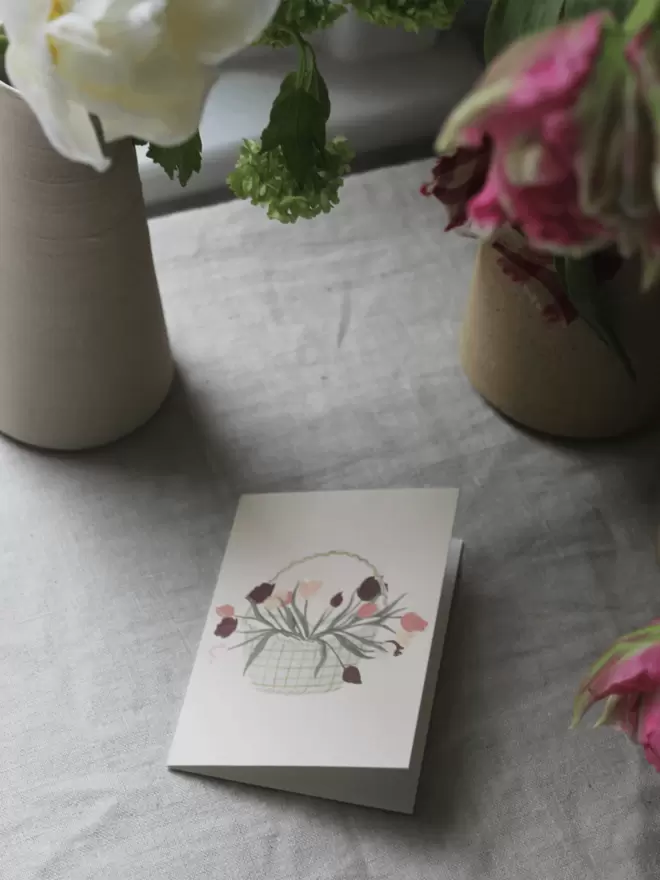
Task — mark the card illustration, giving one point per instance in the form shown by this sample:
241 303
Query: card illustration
302 635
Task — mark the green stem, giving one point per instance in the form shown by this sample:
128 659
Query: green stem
335 653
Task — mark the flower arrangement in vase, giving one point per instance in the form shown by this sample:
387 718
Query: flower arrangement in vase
551 160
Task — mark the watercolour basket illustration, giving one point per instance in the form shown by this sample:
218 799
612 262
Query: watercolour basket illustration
307 634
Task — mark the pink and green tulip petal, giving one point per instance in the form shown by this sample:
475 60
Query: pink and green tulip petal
627 668
649 728
622 713
643 55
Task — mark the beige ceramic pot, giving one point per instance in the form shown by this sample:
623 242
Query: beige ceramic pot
84 355
554 379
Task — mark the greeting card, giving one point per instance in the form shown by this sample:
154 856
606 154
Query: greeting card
320 653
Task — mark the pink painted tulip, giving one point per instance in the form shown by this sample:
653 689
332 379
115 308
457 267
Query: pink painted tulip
308 589
412 622
367 610
225 611
627 677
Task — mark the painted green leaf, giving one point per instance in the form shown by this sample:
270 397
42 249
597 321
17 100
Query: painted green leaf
257 650
300 618
247 641
593 305
291 621
389 609
370 644
324 654
351 648
508 20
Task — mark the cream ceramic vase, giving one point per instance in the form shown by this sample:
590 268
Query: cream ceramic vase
84 354
560 380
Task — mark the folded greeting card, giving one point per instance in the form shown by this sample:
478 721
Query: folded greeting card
319 658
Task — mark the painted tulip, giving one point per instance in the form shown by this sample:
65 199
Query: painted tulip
225 610
411 622
143 67
367 610
369 589
308 589
351 675
403 637
336 600
259 594
627 678
226 627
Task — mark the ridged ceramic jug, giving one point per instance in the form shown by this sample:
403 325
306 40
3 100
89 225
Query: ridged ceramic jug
561 380
84 354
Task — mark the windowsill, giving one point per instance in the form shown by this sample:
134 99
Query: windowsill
385 102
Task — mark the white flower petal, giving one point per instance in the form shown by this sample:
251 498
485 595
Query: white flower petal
143 67
156 101
24 18
213 30
66 125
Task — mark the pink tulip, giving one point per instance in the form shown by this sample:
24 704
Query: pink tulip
628 678
367 610
287 598
412 622
225 611
558 140
308 589
524 111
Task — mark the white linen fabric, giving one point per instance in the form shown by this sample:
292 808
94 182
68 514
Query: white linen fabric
320 356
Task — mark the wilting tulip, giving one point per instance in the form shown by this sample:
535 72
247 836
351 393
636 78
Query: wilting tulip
627 677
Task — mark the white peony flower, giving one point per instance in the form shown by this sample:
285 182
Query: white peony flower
143 67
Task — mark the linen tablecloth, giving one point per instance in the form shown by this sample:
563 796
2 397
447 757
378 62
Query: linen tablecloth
319 356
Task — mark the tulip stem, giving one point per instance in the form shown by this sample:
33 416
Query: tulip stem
328 645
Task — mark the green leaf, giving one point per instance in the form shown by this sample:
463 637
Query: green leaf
593 305
251 639
297 127
579 8
351 648
291 621
179 162
508 20
319 90
257 650
389 609
324 654
370 644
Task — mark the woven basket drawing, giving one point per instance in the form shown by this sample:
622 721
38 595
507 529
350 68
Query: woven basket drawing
292 666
